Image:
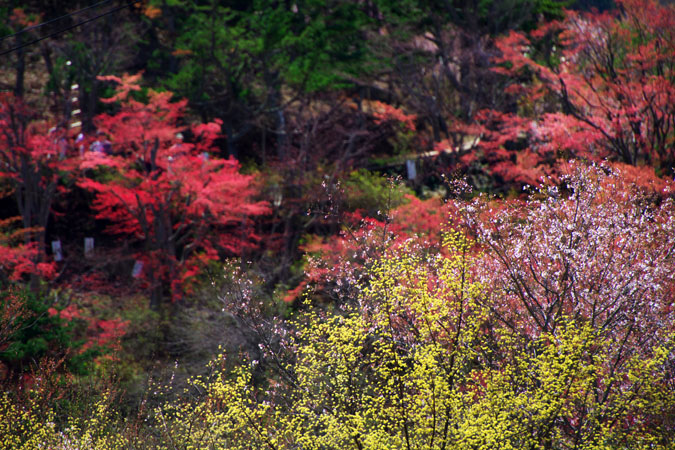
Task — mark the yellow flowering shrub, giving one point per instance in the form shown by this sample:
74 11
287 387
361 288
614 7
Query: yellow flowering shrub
419 362
26 426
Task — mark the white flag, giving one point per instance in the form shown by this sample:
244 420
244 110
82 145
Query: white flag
56 250
138 268
412 172
88 246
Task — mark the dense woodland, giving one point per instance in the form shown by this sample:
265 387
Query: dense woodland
337 224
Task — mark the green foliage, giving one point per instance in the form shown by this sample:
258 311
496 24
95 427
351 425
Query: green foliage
373 193
40 332
491 16
237 57
4 19
61 78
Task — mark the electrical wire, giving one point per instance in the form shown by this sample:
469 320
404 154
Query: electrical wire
69 28
34 27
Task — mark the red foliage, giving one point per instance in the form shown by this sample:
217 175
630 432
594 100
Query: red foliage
105 333
337 262
20 19
99 333
183 207
68 313
15 262
611 76
33 162
384 112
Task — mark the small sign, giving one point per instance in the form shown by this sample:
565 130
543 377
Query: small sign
138 269
88 247
56 250
412 171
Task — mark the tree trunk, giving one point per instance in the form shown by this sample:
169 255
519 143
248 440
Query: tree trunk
20 67
232 150
275 106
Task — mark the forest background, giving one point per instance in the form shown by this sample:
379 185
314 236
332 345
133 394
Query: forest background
337 224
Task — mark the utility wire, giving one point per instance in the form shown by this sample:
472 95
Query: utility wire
33 27
69 28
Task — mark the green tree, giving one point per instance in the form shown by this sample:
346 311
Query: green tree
245 63
37 332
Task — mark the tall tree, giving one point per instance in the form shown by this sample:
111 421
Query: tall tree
247 62
182 205
33 161
591 86
435 56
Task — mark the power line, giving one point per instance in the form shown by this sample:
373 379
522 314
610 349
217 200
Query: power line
34 27
69 28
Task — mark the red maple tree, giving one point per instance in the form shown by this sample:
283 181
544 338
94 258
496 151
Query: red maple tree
591 86
34 162
18 258
183 206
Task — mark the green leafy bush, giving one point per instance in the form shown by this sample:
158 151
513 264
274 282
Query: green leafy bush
41 331
373 193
